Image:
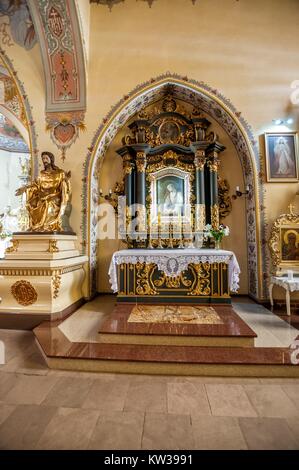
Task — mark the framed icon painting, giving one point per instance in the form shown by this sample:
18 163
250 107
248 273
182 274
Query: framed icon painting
281 152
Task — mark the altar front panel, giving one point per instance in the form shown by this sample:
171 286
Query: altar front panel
200 283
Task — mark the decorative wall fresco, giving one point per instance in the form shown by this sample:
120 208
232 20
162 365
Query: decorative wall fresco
111 3
21 25
10 139
58 30
23 110
220 108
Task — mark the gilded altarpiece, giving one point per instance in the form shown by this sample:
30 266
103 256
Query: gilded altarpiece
170 162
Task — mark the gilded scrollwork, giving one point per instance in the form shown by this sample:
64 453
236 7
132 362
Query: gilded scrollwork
224 200
172 282
144 285
202 274
53 248
56 282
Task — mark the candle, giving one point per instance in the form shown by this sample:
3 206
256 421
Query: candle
290 274
101 191
247 188
159 218
110 191
237 189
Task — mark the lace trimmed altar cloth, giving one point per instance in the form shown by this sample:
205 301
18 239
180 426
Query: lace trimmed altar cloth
173 261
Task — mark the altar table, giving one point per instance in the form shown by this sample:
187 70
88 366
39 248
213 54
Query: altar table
174 275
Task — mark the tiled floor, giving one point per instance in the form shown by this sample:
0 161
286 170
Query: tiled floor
272 331
48 409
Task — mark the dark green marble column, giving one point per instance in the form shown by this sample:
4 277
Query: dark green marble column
213 164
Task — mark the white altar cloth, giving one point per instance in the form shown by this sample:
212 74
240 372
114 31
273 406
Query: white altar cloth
173 261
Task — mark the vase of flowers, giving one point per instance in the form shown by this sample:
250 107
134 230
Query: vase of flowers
217 234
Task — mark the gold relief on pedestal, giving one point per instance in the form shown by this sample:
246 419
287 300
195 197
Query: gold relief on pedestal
53 248
13 248
56 282
202 285
24 293
144 285
200 160
215 216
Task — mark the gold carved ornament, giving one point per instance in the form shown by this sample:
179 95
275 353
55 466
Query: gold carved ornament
24 293
214 164
200 160
202 284
53 248
224 200
140 162
13 248
215 216
274 243
172 282
56 283
144 285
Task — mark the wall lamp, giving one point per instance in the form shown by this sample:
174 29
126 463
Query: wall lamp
280 122
240 193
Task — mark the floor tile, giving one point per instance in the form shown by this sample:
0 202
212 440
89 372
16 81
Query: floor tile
267 434
187 398
69 429
147 396
24 426
118 430
292 390
167 432
68 392
293 424
30 389
5 411
7 382
229 400
107 395
271 401
217 432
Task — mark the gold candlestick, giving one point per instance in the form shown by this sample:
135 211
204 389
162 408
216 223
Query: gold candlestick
159 231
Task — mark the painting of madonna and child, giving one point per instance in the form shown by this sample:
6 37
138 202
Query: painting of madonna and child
170 196
289 237
281 157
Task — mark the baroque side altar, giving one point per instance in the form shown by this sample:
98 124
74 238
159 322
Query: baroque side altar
190 275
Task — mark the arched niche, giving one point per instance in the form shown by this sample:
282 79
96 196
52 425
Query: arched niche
215 106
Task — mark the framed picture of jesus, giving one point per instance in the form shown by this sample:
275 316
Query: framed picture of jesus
281 151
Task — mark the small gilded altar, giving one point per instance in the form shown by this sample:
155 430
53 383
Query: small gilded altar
188 275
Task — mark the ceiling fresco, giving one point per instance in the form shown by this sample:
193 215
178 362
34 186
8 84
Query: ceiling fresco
18 17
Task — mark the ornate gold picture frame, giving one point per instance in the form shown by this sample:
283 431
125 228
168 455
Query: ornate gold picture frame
284 241
281 154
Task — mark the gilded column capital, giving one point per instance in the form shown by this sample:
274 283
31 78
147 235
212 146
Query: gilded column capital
140 162
127 164
214 164
200 159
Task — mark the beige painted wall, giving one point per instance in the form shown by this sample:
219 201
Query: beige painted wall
248 50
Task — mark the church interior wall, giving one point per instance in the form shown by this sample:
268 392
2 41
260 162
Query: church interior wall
224 44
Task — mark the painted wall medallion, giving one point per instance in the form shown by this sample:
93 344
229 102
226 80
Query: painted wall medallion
24 293
169 132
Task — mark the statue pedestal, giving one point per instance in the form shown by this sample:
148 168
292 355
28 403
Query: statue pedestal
42 274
